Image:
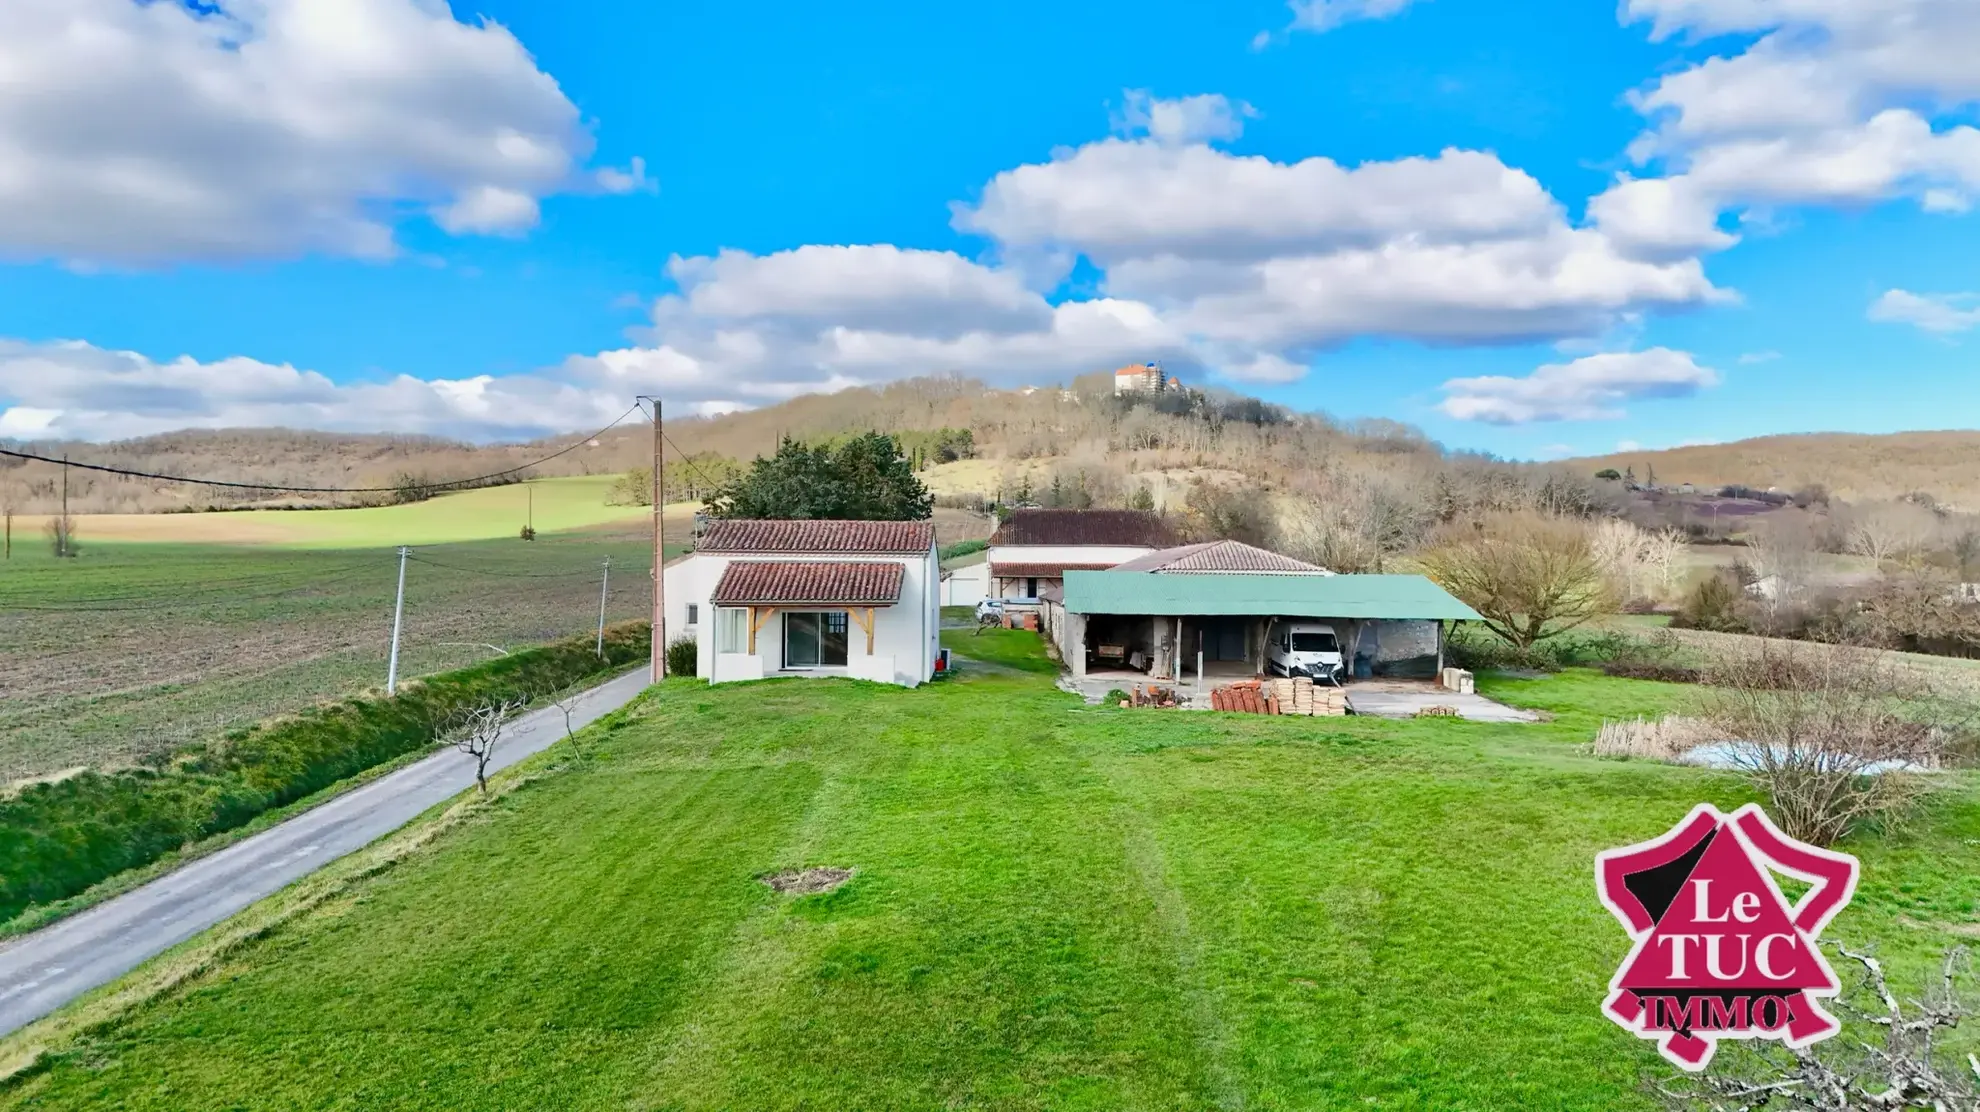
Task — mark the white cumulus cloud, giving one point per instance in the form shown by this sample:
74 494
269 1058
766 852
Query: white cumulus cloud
73 390
1589 389
1827 102
1242 268
147 133
1944 313
1205 118
1325 15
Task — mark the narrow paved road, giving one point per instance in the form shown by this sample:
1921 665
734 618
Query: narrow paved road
45 970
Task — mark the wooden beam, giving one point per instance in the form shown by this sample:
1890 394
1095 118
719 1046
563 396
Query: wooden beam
863 618
758 615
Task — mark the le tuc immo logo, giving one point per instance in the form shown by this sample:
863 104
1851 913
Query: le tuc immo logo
1719 952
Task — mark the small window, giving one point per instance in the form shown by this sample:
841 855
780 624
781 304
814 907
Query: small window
694 613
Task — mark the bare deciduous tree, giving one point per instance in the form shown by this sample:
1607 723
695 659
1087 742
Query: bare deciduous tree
1889 530
1903 1065
478 729
1834 736
1529 576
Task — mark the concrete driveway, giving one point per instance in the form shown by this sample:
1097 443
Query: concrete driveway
45 970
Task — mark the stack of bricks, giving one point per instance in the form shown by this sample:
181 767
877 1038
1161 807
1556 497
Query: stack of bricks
1244 697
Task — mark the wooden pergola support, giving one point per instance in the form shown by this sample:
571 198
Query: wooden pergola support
758 615
864 618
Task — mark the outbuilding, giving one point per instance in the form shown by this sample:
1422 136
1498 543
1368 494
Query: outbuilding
1189 625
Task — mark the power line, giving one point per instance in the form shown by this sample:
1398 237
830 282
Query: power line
500 574
689 463
134 474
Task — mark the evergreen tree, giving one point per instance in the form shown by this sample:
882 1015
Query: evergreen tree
866 478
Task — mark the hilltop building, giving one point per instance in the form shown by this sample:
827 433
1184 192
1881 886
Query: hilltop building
1144 378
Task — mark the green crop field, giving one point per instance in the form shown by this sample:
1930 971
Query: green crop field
552 505
1052 906
134 649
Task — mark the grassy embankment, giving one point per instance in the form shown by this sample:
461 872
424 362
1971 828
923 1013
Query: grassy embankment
1053 906
60 838
130 650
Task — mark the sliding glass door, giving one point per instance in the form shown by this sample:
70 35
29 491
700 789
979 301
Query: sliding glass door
815 640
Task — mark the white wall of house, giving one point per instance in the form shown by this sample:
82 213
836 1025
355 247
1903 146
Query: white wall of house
906 635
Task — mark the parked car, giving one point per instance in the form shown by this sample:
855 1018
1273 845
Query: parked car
990 612
1296 648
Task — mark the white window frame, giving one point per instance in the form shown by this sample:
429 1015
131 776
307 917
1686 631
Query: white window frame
731 629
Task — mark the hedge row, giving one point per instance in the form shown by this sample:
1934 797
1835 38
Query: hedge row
57 839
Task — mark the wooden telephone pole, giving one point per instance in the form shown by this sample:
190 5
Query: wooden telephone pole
659 665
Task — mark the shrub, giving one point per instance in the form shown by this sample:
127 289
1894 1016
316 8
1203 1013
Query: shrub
57 839
682 656
1833 736
1479 650
1713 604
964 548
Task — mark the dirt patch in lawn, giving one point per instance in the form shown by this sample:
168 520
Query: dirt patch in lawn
806 882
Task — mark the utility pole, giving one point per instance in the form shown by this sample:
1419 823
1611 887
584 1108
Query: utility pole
398 612
658 668
62 526
604 584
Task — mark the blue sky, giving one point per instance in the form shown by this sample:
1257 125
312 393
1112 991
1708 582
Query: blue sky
506 220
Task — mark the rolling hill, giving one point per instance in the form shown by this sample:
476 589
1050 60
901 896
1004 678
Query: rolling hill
1021 437
1854 467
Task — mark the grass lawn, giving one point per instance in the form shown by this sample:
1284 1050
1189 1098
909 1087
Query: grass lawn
1010 648
1054 907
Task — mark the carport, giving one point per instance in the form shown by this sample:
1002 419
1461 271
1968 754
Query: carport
1389 625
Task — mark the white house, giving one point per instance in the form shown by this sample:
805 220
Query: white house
1032 550
810 598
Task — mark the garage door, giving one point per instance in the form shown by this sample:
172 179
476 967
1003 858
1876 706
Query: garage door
1224 639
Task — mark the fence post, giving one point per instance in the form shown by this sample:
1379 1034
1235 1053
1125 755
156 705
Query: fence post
398 612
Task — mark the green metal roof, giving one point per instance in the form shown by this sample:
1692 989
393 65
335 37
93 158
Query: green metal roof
1286 596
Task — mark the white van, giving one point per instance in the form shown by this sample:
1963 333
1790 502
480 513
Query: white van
1298 648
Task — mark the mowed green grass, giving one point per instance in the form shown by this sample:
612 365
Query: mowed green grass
1053 907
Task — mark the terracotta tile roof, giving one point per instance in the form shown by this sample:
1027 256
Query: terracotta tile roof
1135 528
811 582
1221 556
804 538
1047 571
